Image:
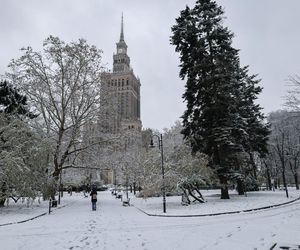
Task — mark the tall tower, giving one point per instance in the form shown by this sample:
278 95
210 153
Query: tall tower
126 88
121 61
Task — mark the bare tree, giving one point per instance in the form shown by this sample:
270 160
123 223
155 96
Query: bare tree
293 94
293 104
271 169
63 83
293 145
279 140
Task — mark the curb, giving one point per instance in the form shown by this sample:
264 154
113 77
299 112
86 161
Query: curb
222 213
32 218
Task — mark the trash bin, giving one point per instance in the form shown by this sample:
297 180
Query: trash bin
54 203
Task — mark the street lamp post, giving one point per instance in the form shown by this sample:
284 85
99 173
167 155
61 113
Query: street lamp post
59 188
160 146
283 174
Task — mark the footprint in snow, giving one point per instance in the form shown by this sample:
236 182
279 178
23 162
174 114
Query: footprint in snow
85 238
74 247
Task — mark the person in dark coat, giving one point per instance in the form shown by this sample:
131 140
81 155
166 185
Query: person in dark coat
93 195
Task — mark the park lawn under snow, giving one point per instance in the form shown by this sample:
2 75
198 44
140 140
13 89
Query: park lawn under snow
214 204
18 212
114 226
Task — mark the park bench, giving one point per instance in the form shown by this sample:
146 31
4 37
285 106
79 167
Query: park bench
126 202
119 195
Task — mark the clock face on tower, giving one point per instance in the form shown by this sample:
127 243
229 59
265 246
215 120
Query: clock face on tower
120 50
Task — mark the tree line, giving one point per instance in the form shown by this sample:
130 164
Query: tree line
53 102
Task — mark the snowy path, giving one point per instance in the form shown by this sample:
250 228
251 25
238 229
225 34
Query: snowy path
113 226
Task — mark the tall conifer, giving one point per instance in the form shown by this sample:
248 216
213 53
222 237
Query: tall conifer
214 120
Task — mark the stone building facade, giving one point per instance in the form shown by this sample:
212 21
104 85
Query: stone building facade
123 91
119 117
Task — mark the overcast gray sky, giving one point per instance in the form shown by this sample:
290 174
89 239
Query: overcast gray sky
266 32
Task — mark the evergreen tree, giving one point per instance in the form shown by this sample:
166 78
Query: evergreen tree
12 102
258 130
219 93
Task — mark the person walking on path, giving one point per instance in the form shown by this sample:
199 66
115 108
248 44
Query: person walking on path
93 195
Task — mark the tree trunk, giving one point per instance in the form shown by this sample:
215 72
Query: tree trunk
134 188
284 184
54 184
296 180
185 197
224 188
2 202
3 194
240 187
254 168
199 193
195 197
269 179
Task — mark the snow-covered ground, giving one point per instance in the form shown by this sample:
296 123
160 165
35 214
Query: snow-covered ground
18 212
113 226
214 204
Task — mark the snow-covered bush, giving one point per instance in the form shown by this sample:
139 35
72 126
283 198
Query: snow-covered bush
23 160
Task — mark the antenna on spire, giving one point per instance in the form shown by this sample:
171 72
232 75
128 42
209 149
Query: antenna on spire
122 30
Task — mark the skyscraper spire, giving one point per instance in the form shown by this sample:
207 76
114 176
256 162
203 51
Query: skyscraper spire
122 30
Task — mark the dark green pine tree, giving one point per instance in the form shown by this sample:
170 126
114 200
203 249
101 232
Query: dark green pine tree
215 87
12 102
257 129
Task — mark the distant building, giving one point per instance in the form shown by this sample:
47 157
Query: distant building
123 100
123 89
119 115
